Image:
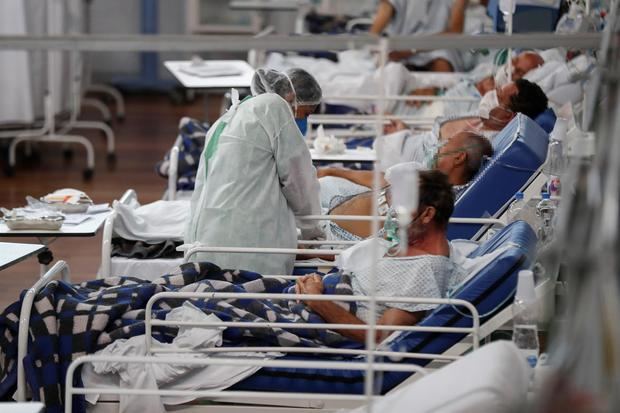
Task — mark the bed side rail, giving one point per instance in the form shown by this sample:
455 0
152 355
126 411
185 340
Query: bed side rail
60 269
108 231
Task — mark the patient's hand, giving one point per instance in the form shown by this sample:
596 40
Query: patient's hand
398 55
423 91
309 284
323 172
395 125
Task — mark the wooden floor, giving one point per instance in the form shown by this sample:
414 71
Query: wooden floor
142 139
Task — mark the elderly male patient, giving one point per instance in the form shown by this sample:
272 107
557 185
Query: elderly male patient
347 192
424 270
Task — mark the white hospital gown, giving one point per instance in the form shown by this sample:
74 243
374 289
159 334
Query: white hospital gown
424 17
464 88
425 276
407 146
335 191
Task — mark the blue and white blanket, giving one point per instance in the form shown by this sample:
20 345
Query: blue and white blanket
68 321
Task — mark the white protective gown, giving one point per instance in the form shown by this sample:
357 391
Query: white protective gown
258 179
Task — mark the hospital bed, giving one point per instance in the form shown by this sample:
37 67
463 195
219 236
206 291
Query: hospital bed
143 268
148 268
520 150
490 291
172 190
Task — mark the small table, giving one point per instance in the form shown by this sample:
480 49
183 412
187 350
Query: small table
349 155
190 81
88 228
212 84
21 407
12 253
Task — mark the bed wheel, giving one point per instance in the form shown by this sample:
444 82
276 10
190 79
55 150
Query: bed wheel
67 154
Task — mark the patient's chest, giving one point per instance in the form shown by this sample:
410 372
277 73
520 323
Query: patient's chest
452 127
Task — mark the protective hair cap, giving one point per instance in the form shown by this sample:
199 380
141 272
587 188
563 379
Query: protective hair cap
295 85
272 81
307 89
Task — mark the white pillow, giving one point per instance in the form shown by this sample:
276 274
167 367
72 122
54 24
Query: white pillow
494 378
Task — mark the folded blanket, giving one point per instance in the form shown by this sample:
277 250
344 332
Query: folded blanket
68 321
142 250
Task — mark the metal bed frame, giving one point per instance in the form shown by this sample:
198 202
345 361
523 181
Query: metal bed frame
108 231
273 42
61 269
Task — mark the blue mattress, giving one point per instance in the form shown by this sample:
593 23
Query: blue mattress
527 18
519 151
490 290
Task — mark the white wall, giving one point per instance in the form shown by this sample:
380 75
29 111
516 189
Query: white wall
123 16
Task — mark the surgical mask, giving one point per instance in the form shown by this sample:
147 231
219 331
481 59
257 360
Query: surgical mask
502 77
487 103
302 124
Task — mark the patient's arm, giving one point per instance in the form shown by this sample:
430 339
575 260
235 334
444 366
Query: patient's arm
358 205
457 17
422 91
334 314
363 178
385 12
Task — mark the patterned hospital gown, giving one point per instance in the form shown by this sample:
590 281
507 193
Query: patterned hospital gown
425 276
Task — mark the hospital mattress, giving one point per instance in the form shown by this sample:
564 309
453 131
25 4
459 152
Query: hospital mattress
520 149
490 291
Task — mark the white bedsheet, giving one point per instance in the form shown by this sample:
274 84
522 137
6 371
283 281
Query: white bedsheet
494 378
155 222
148 269
166 376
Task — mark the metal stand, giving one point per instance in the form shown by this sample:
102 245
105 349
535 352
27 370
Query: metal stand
48 132
74 123
89 87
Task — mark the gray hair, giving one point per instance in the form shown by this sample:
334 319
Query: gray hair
478 149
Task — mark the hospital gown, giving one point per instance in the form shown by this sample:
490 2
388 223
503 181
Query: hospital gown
464 88
424 17
335 191
425 276
407 146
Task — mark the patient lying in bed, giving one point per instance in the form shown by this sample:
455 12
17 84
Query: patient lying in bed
423 270
459 159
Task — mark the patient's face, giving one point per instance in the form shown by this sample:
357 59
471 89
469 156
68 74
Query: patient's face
505 93
446 155
525 62
500 115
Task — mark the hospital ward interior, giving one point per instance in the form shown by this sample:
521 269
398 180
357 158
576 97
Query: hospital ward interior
295 206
